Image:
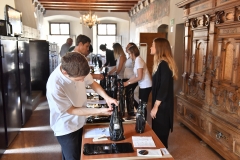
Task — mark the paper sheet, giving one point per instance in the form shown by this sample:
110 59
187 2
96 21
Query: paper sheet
97 132
141 141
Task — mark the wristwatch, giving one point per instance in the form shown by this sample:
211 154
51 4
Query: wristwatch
129 82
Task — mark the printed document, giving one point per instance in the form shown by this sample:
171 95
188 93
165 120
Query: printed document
97 132
143 141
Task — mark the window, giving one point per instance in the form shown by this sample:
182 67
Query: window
107 29
59 28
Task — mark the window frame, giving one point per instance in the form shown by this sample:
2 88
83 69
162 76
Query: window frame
106 29
59 27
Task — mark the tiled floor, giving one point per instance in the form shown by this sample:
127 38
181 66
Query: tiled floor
37 142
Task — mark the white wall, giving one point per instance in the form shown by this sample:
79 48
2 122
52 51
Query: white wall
176 14
27 9
132 34
2 6
122 20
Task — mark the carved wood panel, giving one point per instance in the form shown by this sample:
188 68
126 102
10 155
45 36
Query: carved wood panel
197 77
212 73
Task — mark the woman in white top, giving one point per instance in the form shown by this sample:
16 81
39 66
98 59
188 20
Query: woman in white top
120 56
128 73
141 75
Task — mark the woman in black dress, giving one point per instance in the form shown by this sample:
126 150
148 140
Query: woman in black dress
164 72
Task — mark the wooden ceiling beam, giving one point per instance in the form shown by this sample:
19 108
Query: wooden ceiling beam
86 8
89 1
91 7
66 5
102 3
96 10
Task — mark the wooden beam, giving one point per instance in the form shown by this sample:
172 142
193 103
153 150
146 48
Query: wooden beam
102 3
96 10
90 1
84 6
91 7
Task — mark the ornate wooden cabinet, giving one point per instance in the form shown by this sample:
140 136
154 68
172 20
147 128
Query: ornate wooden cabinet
209 103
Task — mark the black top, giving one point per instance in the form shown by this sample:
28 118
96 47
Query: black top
162 90
110 58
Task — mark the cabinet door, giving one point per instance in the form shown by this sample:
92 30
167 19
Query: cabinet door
226 80
11 92
25 79
197 76
3 142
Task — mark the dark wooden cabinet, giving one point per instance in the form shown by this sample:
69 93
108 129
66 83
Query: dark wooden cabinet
209 103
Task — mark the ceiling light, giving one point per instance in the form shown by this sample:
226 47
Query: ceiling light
89 19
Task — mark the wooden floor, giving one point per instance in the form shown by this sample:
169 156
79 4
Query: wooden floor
37 142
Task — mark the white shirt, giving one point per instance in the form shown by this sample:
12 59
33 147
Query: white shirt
62 93
146 81
121 73
128 72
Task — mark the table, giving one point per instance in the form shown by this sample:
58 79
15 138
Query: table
129 131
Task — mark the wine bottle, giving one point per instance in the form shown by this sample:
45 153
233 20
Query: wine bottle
115 127
140 119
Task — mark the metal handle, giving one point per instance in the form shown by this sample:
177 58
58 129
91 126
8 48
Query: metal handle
2 53
219 135
190 116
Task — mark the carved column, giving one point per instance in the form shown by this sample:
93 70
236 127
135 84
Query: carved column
187 49
193 58
236 64
218 58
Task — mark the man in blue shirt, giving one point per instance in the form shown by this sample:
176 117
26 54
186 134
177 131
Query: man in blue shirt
66 46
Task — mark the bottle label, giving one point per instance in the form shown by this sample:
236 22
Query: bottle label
116 126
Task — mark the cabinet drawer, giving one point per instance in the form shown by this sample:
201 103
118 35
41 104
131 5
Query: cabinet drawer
221 135
236 146
180 107
191 116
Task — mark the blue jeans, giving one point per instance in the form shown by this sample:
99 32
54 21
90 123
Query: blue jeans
71 145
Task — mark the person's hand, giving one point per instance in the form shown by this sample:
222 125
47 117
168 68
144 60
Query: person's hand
125 84
110 100
154 111
109 73
99 76
106 111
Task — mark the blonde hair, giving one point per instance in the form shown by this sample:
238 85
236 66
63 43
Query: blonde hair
164 53
118 50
